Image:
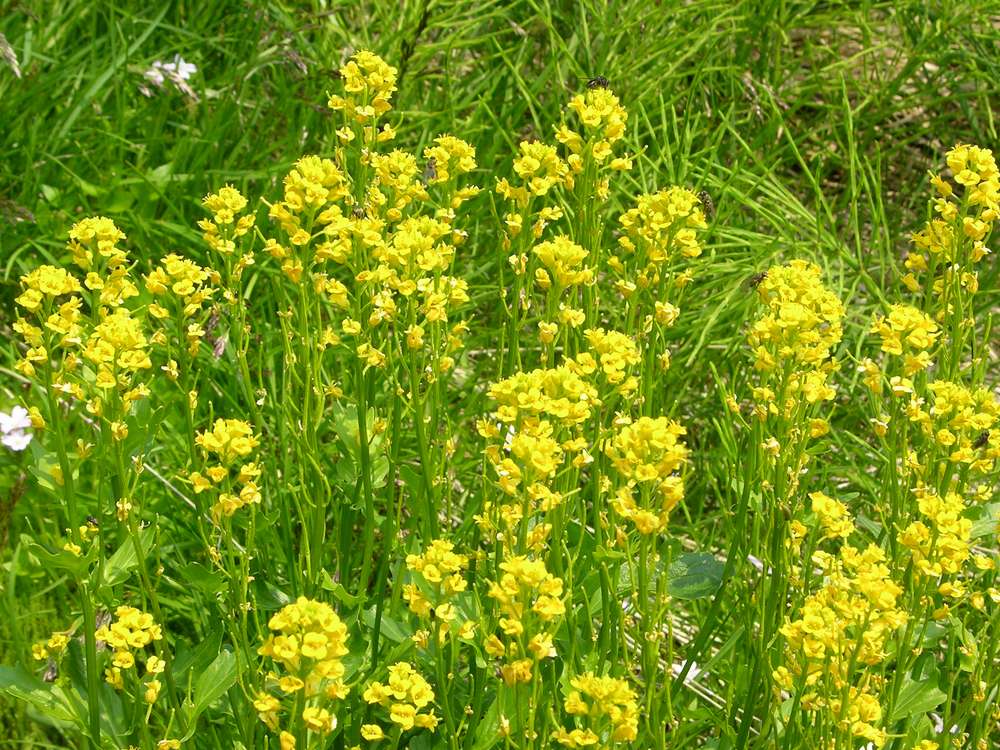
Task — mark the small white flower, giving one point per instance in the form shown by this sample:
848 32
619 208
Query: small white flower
508 440
14 428
179 68
178 71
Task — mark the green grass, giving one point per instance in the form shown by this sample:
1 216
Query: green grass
811 125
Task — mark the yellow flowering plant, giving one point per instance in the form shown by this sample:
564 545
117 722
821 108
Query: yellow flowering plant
360 468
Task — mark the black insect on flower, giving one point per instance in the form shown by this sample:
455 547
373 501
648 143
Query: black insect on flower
755 281
598 82
430 170
983 439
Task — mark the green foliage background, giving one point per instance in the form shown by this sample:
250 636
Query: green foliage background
810 124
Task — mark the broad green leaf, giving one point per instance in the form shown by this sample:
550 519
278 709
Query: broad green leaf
207 581
22 685
388 627
486 729
60 559
199 657
694 575
917 697
217 678
124 560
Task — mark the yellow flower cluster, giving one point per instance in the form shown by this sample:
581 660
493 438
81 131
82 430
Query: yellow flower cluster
41 288
909 333
229 440
649 455
941 545
118 347
608 707
968 204
227 224
530 603
614 355
130 632
94 242
313 184
559 393
61 335
51 647
962 422
397 183
404 695
441 570
833 516
43 285
539 169
801 322
188 282
450 157
94 245
603 119
307 644
369 83
390 255
839 629
564 260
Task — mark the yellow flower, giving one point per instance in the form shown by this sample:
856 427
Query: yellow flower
405 695
369 83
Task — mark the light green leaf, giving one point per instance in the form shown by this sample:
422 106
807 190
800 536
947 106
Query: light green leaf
22 685
124 560
918 697
694 575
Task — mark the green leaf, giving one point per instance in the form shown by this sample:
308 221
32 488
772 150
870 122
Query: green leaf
201 656
22 685
694 575
220 675
339 592
486 729
389 628
61 559
270 597
918 697
207 581
985 520
124 560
